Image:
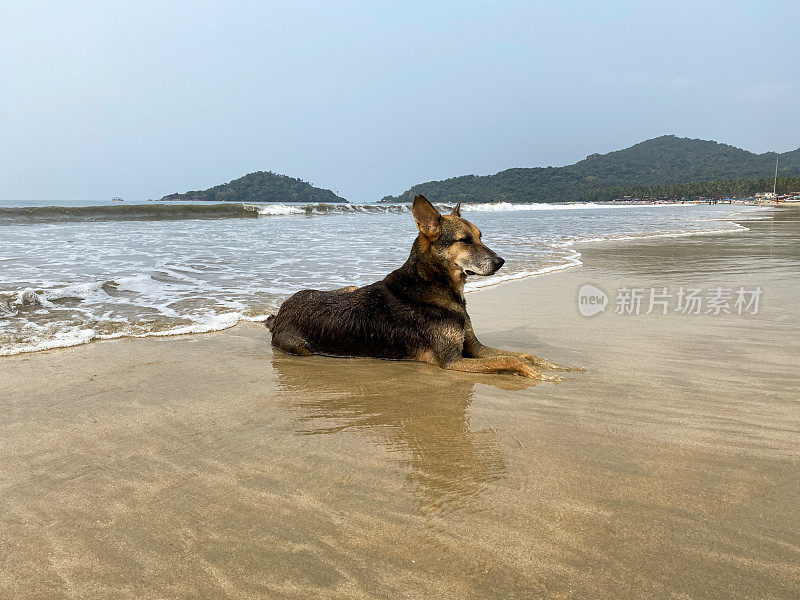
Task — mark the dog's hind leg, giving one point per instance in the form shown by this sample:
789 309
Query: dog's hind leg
291 343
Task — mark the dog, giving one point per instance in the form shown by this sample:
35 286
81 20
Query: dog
417 312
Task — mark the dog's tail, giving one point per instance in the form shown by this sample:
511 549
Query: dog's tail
269 322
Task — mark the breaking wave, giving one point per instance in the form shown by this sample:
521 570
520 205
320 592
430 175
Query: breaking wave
175 211
228 210
121 212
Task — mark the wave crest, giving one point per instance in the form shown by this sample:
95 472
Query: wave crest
227 210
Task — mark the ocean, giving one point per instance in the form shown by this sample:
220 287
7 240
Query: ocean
73 272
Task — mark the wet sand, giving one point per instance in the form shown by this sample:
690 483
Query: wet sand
210 467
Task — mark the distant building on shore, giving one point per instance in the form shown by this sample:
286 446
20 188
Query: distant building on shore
791 198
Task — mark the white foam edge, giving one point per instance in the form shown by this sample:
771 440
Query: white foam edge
279 210
275 210
60 340
574 259
84 336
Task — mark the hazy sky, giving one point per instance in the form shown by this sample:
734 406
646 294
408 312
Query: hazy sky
141 99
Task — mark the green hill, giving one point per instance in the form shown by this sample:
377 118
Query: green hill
650 167
261 186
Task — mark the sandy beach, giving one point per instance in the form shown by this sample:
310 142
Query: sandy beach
208 466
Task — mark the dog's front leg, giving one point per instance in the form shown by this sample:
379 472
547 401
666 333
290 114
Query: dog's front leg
500 364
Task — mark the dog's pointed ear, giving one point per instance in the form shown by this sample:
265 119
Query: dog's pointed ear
427 217
457 210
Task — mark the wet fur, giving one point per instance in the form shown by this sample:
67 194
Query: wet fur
417 312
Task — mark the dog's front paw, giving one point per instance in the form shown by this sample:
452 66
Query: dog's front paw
552 378
547 365
527 370
563 368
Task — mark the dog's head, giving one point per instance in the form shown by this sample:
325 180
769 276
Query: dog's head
453 242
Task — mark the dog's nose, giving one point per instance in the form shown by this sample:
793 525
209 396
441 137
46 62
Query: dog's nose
498 262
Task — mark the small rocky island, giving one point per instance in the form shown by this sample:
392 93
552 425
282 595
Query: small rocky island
261 186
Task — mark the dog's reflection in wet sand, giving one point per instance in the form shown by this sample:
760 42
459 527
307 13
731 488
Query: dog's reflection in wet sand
412 412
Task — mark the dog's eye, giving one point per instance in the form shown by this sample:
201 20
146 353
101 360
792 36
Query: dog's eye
465 240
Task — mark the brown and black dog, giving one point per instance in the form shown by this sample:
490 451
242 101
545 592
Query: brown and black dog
416 312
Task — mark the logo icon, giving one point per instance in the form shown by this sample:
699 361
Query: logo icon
591 300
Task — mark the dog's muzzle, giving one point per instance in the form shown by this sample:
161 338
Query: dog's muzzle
489 266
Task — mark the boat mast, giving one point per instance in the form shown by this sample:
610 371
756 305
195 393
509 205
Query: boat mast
775 183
